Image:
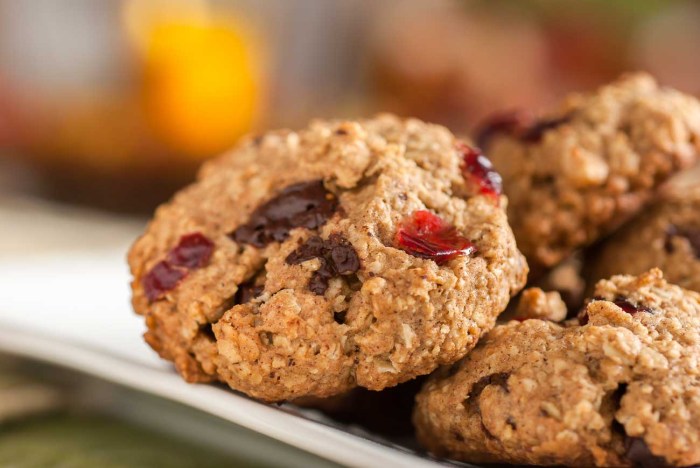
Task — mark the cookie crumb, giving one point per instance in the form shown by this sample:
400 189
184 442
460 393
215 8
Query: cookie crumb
536 304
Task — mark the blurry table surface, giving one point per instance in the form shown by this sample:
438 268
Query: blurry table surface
34 226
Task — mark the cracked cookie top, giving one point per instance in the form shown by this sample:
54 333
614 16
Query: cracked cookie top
350 253
618 386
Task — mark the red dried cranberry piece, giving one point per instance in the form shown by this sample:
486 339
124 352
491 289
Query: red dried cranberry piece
628 307
193 251
510 122
519 124
478 171
582 317
621 302
162 278
426 235
537 130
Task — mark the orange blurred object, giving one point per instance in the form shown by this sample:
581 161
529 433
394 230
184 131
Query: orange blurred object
185 83
201 86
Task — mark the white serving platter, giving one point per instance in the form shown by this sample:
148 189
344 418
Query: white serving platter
73 311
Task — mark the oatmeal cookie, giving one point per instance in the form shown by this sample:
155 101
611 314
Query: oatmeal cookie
619 386
582 171
347 254
667 237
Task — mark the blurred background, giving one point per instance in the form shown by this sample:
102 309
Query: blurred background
114 103
109 106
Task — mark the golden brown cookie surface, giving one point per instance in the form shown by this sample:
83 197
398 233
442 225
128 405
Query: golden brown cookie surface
618 387
582 171
666 237
346 254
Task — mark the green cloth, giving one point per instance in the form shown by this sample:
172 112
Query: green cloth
95 441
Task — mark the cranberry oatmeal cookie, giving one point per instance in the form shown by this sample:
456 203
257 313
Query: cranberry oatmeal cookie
619 386
667 237
347 254
580 172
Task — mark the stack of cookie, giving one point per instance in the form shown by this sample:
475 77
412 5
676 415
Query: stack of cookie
368 253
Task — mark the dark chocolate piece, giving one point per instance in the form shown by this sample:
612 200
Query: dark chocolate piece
337 257
307 204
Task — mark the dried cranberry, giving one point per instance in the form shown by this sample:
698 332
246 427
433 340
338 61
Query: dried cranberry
162 278
582 317
536 131
519 124
478 170
628 307
426 235
193 251
510 122
621 302
306 204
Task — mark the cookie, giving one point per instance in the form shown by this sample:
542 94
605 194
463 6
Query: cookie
583 170
347 254
534 303
620 386
667 237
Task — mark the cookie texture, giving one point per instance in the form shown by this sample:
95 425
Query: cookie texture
618 387
534 303
586 168
667 236
351 253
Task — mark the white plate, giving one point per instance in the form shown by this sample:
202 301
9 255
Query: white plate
73 311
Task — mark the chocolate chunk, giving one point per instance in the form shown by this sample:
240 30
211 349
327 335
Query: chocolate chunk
314 247
306 204
337 257
344 257
318 283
